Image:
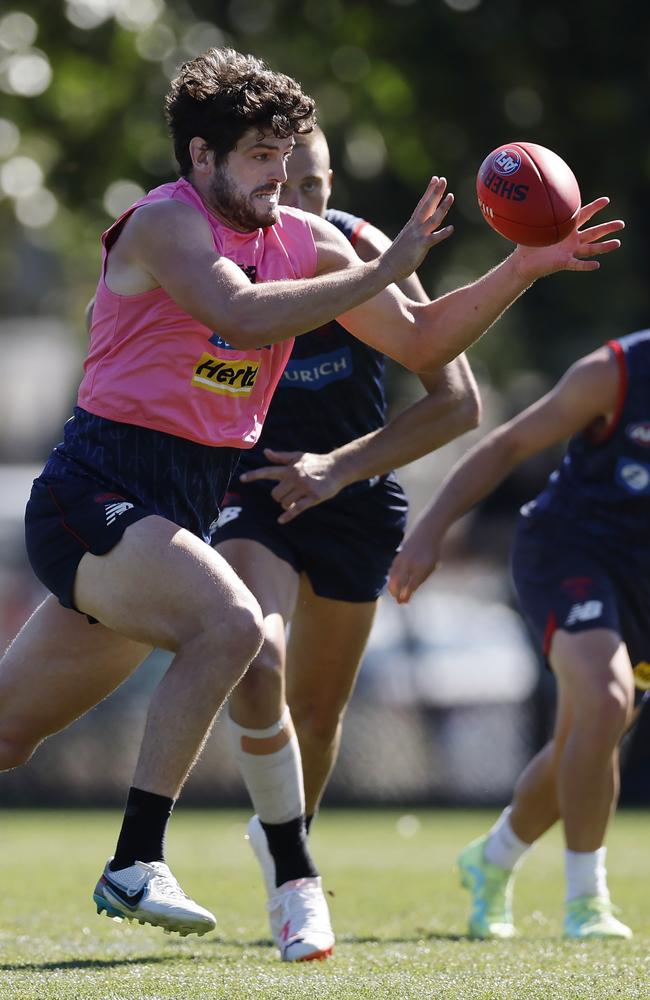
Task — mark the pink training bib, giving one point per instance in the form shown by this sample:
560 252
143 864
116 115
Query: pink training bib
153 365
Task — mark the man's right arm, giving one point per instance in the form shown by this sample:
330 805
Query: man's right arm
169 245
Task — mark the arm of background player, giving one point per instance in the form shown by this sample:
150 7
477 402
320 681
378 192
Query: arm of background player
586 395
370 243
450 408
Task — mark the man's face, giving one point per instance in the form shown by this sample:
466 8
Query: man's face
309 178
245 188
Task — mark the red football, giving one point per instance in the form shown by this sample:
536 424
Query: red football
528 194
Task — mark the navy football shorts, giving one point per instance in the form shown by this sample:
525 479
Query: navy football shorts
344 546
563 585
67 517
106 476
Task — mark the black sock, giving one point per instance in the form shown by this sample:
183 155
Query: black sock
142 837
288 846
308 822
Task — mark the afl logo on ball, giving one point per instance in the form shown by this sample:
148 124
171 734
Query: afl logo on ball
506 162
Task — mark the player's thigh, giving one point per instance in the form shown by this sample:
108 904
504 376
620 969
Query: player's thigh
164 586
58 667
571 601
326 644
273 580
591 666
275 585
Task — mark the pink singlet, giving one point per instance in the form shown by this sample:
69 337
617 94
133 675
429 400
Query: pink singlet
151 364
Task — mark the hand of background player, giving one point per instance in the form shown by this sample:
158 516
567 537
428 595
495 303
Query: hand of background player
304 480
570 253
414 563
421 232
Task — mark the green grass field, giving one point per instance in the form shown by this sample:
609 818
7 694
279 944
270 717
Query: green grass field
397 911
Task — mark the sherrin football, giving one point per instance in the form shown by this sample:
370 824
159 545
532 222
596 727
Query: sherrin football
528 194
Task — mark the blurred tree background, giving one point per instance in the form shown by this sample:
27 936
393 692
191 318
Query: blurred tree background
405 88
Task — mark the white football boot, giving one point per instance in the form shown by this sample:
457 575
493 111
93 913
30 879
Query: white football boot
298 913
150 894
300 910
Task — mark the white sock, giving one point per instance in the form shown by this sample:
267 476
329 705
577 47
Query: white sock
503 847
274 780
586 874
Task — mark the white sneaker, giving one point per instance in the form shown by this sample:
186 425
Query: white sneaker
299 912
150 894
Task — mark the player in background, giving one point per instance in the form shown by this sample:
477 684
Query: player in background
326 436
581 567
204 283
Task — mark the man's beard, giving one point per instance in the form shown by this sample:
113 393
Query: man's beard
235 207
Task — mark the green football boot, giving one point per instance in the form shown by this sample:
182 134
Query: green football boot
591 917
491 890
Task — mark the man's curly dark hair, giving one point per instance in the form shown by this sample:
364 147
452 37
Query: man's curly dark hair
221 94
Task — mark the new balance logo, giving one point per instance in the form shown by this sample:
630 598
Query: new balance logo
113 510
585 612
228 514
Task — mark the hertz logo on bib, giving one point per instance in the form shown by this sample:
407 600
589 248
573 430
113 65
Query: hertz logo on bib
225 377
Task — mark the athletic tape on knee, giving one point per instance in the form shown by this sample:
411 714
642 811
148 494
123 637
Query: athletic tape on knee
284 722
272 777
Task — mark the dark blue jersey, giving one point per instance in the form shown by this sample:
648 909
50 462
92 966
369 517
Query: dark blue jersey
332 389
601 492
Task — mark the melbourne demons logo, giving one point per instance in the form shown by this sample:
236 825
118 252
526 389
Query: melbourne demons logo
639 433
577 587
506 162
633 476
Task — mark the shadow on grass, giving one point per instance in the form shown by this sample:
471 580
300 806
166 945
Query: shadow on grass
85 963
351 939
107 963
404 939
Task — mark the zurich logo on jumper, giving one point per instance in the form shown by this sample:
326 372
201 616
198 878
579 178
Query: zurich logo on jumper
318 371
